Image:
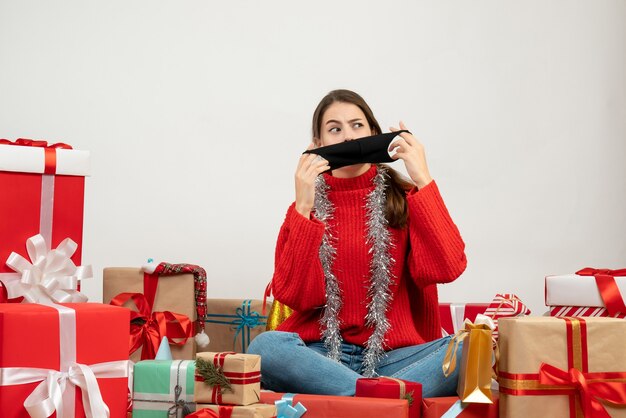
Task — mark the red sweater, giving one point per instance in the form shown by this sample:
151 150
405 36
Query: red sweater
428 251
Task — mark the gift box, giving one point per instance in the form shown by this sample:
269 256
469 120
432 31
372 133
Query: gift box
42 193
562 367
227 378
506 305
169 293
232 323
155 388
258 410
452 405
325 406
389 387
40 346
453 315
583 311
588 287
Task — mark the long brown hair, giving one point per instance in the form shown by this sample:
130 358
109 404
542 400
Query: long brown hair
395 206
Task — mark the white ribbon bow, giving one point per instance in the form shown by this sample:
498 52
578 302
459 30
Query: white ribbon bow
50 276
48 395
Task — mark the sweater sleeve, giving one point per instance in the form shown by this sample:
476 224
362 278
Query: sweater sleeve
298 279
437 253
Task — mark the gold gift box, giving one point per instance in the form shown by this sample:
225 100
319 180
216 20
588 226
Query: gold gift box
590 345
243 372
258 410
175 293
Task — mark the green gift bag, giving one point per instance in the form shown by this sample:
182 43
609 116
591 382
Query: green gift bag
163 388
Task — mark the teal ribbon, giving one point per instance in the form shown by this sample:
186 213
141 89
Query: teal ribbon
242 322
285 408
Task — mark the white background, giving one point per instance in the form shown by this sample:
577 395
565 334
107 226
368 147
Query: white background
195 112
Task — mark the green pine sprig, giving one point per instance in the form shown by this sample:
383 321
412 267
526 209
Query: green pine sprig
212 375
409 397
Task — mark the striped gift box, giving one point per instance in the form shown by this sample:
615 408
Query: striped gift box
588 311
503 306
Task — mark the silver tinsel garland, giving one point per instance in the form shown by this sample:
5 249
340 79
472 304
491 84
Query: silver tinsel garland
331 333
379 295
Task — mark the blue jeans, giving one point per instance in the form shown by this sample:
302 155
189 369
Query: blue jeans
290 365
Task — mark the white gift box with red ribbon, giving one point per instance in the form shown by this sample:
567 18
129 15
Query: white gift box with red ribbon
589 287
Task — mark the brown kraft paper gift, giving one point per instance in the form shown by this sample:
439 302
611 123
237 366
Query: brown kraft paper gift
557 367
232 323
228 378
174 293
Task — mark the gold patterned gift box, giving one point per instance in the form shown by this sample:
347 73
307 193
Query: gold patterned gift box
258 410
562 367
227 378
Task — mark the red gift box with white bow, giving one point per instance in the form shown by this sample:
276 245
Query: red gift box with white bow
63 360
42 193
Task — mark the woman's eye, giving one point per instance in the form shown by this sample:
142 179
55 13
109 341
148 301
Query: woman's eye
358 125
334 130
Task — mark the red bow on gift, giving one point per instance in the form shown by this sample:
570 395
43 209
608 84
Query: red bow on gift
609 292
153 326
34 143
590 387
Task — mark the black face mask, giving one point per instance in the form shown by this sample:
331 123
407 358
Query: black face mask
371 149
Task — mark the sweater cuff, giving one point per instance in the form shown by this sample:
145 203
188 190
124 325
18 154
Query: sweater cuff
306 233
427 202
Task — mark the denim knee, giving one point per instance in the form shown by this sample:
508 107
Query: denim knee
266 342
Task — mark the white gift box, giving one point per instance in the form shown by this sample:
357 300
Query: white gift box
31 159
575 290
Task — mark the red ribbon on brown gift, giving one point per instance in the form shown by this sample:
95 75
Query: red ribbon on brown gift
148 328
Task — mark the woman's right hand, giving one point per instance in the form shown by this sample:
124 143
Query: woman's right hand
309 167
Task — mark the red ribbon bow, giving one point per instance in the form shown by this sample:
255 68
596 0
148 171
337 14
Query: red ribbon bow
609 292
24 142
50 165
154 325
589 391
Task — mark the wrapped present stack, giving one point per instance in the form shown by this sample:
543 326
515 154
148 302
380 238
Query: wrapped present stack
57 353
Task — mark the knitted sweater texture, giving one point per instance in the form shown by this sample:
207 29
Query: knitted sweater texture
429 250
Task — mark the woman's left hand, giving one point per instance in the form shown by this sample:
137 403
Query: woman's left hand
411 151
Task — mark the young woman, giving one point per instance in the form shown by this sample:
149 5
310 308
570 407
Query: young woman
358 259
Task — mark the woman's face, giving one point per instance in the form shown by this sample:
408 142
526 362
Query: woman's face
343 122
